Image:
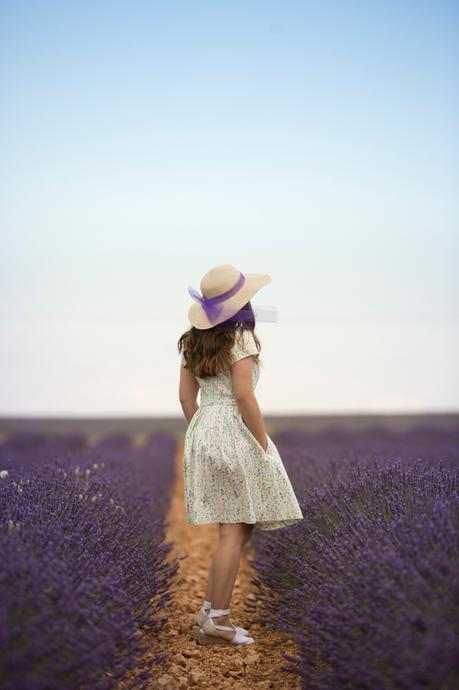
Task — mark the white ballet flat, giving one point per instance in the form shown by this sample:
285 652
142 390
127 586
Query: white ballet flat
207 634
201 617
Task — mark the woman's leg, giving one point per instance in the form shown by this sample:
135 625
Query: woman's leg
247 533
210 581
223 572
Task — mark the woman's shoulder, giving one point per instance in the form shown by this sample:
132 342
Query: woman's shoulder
244 345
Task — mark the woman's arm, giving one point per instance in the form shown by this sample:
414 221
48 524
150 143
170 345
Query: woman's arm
241 373
188 393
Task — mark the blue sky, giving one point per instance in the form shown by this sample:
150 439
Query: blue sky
143 143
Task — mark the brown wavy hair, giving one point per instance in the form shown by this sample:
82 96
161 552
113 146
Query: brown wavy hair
208 352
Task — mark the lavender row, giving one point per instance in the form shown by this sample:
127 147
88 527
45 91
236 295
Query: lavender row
84 564
368 582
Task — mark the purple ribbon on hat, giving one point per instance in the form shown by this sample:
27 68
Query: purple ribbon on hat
211 305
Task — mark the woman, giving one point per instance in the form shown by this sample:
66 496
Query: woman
233 473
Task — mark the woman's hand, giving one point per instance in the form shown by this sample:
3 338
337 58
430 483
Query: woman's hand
251 416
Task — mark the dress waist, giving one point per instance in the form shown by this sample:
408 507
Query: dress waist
219 401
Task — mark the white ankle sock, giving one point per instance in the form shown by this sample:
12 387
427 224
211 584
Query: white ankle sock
207 604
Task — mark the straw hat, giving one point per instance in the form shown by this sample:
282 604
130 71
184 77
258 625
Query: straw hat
225 290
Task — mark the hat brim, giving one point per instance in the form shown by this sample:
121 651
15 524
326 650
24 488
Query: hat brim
253 282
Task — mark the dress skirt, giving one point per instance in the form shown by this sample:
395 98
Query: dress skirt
228 477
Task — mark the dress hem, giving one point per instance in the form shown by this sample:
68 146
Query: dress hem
264 525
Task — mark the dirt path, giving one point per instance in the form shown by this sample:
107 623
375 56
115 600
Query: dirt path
190 664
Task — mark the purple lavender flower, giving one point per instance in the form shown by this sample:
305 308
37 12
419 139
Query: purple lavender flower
83 572
368 582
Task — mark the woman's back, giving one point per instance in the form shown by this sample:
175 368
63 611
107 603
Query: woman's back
219 387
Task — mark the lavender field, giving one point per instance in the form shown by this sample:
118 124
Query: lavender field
367 585
368 582
83 561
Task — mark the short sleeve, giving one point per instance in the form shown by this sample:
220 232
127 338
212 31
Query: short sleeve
245 347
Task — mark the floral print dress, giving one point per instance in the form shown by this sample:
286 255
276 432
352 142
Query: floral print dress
228 476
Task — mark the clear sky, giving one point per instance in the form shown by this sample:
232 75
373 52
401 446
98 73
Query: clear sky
145 142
